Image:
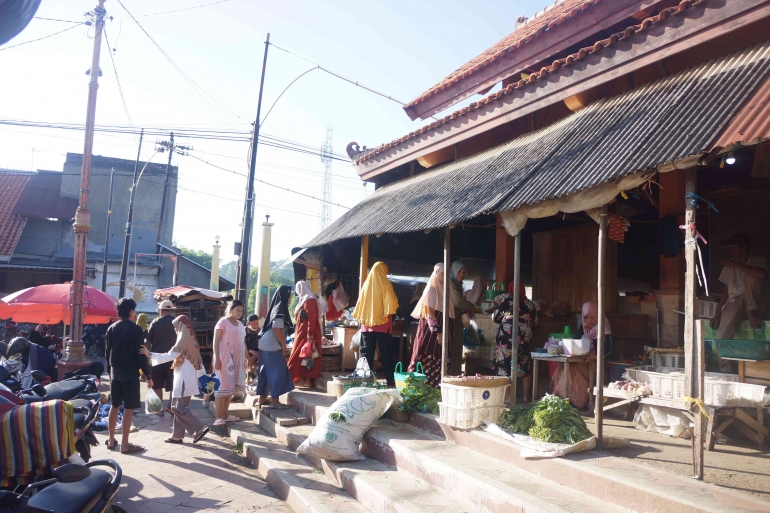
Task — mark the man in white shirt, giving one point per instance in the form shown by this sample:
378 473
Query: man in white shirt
745 292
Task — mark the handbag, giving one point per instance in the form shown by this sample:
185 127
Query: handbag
493 291
400 376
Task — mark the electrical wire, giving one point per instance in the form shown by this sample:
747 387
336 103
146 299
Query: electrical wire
117 79
180 10
55 19
41 38
271 184
184 75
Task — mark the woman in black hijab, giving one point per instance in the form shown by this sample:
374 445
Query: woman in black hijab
272 373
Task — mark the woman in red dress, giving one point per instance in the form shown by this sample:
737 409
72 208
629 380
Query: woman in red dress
305 359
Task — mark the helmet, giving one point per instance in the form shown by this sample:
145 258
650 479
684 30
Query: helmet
17 346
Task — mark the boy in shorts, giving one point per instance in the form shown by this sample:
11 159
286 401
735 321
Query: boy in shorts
124 338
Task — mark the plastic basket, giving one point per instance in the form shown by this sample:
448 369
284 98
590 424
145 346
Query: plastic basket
746 349
400 376
669 383
668 360
472 397
467 418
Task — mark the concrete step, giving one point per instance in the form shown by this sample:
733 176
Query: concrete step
599 476
622 481
379 487
304 488
477 480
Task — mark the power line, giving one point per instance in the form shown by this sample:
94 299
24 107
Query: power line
270 184
184 75
41 38
117 79
180 10
55 19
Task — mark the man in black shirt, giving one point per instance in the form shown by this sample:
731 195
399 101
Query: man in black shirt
121 351
252 340
161 337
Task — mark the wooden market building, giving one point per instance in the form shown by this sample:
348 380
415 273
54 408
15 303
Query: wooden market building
640 109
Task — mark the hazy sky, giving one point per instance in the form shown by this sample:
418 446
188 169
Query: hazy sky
398 47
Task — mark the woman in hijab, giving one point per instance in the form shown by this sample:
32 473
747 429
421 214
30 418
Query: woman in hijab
305 360
272 372
476 294
187 365
579 372
376 306
141 321
427 342
528 322
229 360
459 305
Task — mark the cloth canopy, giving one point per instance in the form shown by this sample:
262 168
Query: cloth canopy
50 304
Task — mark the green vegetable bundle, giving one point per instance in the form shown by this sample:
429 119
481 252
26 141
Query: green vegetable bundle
420 397
552 419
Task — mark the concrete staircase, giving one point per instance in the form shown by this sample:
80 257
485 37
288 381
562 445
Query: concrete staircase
421 465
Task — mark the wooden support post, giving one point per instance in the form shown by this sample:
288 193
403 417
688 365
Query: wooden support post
515 313
601 294
693 343
364 261
446 305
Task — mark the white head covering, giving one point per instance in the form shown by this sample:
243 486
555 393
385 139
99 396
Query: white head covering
304 292
433 295
476 294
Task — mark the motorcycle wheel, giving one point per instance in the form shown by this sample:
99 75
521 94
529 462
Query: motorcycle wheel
84 449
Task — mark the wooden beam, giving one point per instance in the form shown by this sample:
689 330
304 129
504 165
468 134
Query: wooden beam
753 424
515 313
600 328
364 270
446 304
675 35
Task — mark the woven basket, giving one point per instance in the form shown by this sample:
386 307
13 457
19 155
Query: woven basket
464 381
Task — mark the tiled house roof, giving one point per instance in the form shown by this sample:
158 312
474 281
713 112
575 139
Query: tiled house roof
12 185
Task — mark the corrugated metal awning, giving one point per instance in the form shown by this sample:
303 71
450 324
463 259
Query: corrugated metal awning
659 123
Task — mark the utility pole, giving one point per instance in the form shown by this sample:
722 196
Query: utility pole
242 285
107 233
124 260
171 147
327 149
82 224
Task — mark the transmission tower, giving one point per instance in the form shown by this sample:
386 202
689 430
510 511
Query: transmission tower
326 157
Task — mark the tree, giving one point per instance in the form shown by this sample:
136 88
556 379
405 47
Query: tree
198 256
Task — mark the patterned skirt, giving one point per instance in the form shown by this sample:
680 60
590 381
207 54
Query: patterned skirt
427 350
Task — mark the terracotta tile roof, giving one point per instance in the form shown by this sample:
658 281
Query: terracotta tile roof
12 185
557 14
558 63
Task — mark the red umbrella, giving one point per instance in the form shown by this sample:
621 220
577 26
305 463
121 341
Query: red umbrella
50 304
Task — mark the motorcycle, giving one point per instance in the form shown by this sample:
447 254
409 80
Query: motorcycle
73 488
81 391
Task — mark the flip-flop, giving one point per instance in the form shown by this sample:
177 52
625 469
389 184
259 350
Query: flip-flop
174 441
200 435
220 422
232 418
113 446
131 448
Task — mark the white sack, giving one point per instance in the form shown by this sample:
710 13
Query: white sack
338 438
667 421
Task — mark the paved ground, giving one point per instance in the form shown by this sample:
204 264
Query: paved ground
209 476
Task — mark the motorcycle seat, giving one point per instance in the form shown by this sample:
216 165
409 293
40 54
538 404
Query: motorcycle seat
83 403
63 390
73 497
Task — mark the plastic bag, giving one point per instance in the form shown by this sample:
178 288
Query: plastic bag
355 342
152 403
340 297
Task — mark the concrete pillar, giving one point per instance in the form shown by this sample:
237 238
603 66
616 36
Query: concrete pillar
670 296
214 282
263 276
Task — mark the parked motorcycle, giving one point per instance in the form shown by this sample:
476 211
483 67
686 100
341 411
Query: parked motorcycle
73 488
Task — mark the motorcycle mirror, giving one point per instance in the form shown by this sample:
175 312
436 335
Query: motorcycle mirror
39 389
71 473
38 376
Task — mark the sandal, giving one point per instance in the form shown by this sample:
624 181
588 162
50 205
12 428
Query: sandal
113 446
161 413
131 448
232 418
220 422
173 440
200 435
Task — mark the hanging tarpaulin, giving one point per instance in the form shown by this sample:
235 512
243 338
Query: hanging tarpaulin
589 201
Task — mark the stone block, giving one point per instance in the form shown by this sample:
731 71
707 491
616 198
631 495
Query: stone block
670 318
670 334
668 301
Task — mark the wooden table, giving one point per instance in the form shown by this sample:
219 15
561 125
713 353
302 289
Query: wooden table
566 360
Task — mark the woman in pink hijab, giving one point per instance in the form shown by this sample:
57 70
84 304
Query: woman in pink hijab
578 373
427 342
